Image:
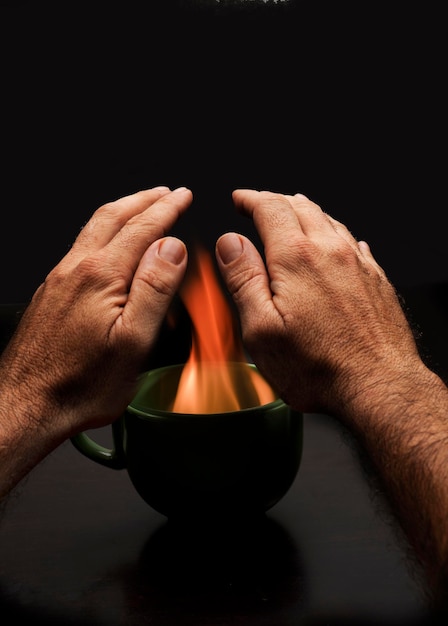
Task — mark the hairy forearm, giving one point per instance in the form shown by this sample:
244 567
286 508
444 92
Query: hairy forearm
404 430
25 439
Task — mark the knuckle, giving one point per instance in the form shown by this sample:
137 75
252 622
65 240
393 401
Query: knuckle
159 284
242 279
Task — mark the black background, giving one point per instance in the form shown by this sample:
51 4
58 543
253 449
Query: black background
342 101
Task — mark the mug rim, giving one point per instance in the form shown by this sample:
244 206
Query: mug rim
162 413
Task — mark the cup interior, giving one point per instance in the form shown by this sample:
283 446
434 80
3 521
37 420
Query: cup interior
158 389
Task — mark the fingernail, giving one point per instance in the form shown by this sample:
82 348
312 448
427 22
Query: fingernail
172 250
162 188
229 247
363 245
179 189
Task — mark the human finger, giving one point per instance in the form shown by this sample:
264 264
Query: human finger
345 233
272 213
279 218
129 225
316 222
151 224
366 252
156 280
247 281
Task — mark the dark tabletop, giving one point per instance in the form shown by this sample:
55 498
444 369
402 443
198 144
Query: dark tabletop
78 546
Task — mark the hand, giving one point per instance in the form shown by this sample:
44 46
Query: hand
75 358
319 317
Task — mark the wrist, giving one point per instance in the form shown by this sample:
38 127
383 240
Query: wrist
388 393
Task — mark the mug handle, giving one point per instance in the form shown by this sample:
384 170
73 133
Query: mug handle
114 458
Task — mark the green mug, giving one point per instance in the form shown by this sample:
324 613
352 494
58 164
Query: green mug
183 464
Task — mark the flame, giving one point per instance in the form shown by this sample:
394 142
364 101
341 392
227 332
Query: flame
211 380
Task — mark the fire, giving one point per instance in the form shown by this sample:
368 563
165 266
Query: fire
212 381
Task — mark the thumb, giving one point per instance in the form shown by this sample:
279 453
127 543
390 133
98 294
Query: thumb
156 280
247 280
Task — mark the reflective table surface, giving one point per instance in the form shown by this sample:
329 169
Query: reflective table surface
78 546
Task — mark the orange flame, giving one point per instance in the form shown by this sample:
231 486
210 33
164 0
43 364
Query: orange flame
211 382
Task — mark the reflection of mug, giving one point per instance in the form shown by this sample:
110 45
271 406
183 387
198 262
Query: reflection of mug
186 463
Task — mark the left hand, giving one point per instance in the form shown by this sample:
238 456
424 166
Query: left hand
74 360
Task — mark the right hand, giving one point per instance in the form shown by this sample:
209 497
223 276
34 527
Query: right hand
318 316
